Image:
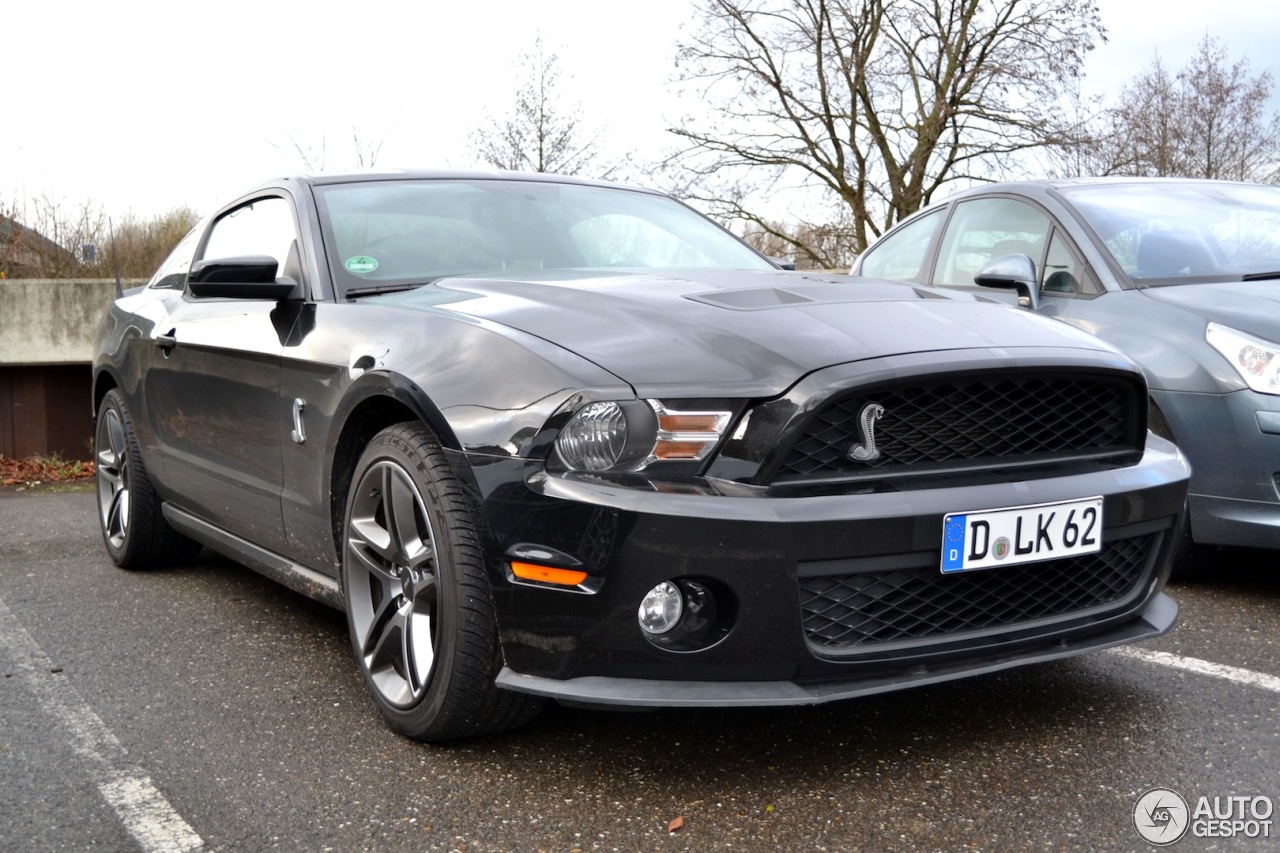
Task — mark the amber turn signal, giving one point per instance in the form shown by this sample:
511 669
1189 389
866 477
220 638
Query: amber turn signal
686 435
547 574
691 421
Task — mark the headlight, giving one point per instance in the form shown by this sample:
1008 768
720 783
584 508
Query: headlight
607 436
1257 361
623 436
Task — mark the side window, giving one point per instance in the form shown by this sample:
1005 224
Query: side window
902 257
1063 272
172 274
261 227
985 229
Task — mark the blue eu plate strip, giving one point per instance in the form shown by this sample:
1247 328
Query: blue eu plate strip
953 543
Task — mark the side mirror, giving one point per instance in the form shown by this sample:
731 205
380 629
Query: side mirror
783 263
251 277
1012 272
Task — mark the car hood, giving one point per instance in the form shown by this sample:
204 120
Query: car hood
742 333
1250 306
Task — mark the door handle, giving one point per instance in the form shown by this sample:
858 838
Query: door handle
299 429
167 341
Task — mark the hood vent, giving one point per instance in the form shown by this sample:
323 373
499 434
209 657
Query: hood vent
754 299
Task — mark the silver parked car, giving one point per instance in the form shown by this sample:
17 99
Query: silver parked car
1182 275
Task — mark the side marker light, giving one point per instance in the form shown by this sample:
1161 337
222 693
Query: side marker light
547 574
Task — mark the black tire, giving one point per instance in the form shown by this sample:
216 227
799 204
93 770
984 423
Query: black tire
418 604
1189 559
133 528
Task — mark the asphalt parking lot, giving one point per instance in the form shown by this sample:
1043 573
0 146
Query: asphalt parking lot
204 707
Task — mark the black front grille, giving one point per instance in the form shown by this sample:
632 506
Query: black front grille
1005 419
859 611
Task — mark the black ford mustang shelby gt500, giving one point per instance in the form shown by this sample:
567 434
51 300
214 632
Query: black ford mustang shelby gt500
540 437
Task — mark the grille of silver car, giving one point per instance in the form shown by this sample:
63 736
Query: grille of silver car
998 420
861 611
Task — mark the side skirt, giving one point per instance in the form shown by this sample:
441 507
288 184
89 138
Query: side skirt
268 563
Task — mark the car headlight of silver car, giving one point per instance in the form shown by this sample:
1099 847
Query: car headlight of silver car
1256 360
631 434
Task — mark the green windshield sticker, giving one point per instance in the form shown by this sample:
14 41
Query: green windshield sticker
362 264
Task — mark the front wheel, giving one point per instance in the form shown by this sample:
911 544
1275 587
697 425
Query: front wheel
418 604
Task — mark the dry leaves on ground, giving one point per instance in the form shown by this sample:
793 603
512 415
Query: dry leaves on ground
42 469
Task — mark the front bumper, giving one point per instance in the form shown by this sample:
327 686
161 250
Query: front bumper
1158 618
1233 444
759 552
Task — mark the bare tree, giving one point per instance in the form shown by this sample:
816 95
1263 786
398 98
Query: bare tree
140 245
542 132
46 238
1208 121
828 246
314 158
1139 135
879 103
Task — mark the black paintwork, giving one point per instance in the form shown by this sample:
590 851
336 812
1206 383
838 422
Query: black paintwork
494 366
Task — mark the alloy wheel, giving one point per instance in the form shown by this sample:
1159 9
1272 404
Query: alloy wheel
392 585
113 478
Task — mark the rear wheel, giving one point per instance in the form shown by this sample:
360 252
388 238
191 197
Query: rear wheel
133 528
418 604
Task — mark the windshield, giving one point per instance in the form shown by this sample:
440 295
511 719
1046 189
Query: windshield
394 233
1185 232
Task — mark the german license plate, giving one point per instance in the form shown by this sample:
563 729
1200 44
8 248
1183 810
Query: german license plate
1021 534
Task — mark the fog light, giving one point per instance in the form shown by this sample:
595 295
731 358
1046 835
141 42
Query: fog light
661 608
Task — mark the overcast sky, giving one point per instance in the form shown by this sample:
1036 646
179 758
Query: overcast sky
141 106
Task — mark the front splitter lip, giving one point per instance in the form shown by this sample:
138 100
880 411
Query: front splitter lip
1157 619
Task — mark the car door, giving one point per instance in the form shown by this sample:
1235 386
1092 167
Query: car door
948 250
213 388
985 229
314 377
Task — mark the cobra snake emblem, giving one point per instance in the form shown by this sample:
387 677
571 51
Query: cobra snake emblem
866 450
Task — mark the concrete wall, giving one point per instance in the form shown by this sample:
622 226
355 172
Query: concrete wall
46 347
51 321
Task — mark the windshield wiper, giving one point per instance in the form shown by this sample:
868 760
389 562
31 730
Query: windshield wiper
1260 276
378 290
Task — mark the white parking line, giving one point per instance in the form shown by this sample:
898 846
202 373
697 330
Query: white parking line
145 813
1204 667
